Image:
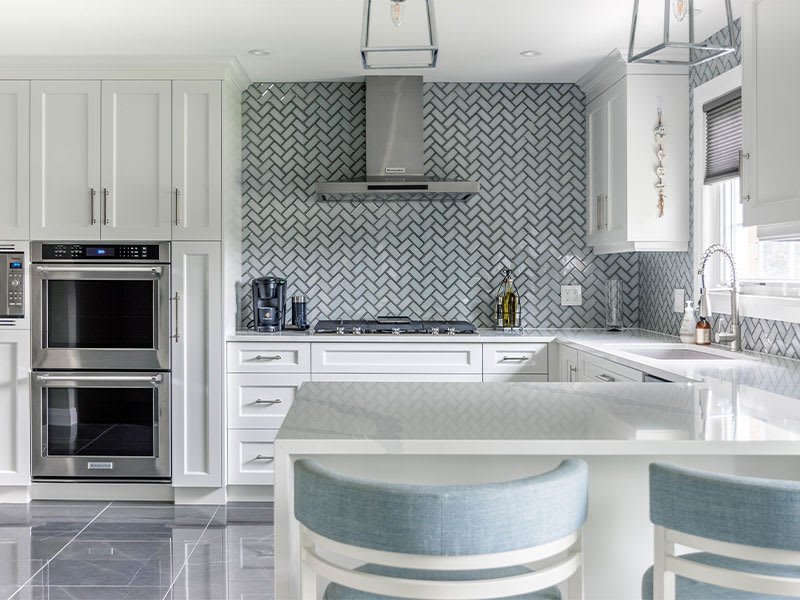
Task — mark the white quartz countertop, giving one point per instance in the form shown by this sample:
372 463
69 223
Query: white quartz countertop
547 418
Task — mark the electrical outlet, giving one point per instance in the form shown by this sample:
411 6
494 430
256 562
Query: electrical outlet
679 301
571 295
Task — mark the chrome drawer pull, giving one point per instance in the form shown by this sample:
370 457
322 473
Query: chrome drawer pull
262 457
605 378
517 358
273 357
260 401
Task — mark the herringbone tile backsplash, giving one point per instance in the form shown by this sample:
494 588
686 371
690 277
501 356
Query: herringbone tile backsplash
524 143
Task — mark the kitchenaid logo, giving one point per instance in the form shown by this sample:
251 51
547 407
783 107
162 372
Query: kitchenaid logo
395 170
101 465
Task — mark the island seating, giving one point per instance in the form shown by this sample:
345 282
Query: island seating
460 541
747 528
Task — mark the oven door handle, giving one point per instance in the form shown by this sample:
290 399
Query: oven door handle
154 379
78 269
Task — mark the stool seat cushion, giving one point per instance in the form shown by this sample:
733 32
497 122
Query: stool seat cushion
340 592
688 589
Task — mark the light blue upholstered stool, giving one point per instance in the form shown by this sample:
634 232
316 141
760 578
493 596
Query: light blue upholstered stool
747 528
423 541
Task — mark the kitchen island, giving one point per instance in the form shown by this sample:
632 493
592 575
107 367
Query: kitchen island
470 432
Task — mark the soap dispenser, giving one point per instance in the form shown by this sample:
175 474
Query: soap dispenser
688 324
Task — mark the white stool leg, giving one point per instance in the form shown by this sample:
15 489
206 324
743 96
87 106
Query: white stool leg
575 582
663 582
308 578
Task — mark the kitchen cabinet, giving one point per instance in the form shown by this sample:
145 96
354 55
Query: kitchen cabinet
65 160
567 364
251 456
515 359
196 160
14 159
770 88
135 159
15 441
595 369
261 401
621 116
197 395
395 358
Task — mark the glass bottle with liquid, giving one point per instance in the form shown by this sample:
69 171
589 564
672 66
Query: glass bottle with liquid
509 302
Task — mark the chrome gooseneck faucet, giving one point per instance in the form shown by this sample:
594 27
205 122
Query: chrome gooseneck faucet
733 337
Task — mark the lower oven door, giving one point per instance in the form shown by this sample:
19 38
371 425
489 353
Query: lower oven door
101 425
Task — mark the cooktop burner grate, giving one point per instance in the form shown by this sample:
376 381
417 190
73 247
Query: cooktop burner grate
395 326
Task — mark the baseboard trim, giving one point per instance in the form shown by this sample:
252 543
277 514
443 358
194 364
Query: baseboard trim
152 492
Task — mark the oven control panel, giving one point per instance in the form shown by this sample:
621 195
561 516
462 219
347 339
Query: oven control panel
12 284
101 251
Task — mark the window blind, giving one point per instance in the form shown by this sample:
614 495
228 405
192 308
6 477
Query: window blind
723 136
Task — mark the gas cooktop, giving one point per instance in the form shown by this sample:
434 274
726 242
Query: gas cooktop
396 326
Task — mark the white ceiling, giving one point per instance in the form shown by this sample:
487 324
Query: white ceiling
309 40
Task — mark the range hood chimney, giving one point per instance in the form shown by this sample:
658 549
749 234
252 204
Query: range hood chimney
395 170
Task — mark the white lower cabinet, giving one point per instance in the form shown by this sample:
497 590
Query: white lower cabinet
261 401
251 456
15 410
197 394
567 364
515 359
395 358
595 369
511 378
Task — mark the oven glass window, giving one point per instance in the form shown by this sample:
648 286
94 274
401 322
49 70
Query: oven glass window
100 314
100 421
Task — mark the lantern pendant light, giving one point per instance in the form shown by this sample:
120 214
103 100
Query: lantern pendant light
394 54
698 53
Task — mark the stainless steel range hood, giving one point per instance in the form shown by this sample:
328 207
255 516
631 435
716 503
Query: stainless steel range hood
395 170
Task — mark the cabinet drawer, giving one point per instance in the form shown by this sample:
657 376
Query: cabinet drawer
595 369
398 377
396 358
258 401
250 357
512 378
251 456
515 358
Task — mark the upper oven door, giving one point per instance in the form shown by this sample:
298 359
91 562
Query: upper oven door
108 316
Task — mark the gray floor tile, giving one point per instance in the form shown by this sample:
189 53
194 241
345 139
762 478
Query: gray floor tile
43 513
90 593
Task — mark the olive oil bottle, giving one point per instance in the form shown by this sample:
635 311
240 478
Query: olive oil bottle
509 302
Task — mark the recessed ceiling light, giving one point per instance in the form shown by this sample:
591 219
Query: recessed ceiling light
258 52
530 53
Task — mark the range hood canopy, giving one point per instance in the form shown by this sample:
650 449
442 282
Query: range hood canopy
395 170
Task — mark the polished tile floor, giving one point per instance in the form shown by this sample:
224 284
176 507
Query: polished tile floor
135 551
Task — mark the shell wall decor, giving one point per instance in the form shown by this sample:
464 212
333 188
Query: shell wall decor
661 134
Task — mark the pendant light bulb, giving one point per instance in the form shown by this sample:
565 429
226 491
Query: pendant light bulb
398 11
680 8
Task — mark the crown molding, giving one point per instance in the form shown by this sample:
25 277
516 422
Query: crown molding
615 66
122 67
236 74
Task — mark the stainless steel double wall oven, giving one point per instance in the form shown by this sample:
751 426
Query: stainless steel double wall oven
101 360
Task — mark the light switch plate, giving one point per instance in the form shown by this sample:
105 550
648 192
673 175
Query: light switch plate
679 301
571 295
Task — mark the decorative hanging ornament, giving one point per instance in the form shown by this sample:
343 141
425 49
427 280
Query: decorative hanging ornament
660 134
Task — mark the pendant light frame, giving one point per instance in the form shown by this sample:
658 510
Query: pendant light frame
366 49
716 51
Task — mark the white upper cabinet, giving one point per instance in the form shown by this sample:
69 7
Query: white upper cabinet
65 160
196 160
770 92
136 169
622 113
14 149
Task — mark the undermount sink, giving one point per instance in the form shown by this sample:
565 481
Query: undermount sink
678 354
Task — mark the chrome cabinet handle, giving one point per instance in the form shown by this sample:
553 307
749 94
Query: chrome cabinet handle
273 357
105 205
573 370
177 335
103 378
743 156
605 378
155 271
260 401
516 358
177 206
262 457
92 194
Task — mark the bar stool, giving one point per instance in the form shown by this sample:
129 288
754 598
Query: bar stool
747 528
460 542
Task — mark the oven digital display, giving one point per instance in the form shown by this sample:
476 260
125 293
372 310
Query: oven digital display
15 265
108 251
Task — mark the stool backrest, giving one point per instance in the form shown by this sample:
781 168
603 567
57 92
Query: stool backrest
442 520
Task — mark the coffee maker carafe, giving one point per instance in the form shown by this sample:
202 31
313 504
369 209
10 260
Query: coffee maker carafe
269 303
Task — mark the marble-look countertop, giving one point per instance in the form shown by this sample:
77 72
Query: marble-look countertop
748 369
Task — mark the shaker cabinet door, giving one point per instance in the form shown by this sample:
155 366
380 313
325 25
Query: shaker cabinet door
14 154
65 160
770 186
196 160
15 408
136 165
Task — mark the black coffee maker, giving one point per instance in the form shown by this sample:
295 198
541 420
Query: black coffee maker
269 303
